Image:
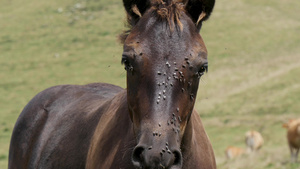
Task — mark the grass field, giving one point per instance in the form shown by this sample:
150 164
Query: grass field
254 66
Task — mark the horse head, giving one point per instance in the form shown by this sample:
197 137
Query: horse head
165 57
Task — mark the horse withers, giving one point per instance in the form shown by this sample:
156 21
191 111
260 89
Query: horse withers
151 125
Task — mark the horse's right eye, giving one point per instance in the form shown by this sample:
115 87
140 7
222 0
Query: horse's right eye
126 63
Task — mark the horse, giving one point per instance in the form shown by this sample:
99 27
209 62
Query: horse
151 124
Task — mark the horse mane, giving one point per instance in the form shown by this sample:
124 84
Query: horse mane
171 12
166 10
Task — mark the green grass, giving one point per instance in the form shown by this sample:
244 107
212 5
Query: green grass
254 66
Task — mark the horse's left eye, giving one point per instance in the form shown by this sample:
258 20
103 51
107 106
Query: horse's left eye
203 69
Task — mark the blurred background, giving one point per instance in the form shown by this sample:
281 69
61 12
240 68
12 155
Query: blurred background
253 81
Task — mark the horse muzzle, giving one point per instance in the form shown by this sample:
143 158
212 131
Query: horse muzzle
157 156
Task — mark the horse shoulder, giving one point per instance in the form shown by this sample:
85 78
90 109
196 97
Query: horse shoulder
57 124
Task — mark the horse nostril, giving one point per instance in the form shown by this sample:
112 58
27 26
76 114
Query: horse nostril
137 156
177 158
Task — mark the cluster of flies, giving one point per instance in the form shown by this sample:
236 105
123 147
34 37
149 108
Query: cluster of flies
175 124
175 121
177 75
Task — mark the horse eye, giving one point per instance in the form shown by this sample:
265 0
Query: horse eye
203 69
126 63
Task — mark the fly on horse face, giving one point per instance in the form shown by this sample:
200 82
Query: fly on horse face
150 125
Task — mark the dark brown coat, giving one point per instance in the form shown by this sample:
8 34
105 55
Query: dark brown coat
151 124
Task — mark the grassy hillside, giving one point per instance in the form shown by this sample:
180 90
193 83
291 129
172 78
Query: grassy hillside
253 79
254 64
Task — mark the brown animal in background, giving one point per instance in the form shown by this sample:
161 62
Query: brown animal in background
254 141
293 137
233 152
151 124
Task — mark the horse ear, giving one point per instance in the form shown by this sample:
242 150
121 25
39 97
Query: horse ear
199 10
135 9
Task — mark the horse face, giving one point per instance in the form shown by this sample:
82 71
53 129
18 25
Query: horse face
164 65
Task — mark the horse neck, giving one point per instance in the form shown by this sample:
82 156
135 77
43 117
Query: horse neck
196 147
113 136
116 115
187 140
